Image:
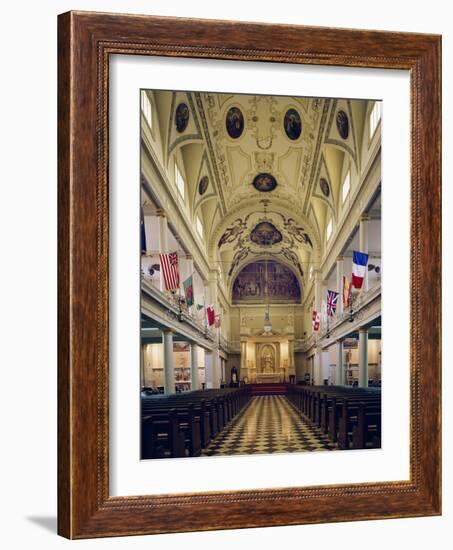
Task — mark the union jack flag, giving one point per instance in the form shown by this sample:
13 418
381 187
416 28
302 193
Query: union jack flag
332 299
169 263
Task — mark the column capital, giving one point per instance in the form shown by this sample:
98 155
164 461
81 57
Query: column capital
340 340
365 218
340 258
189 257
161 213
363 330
167 331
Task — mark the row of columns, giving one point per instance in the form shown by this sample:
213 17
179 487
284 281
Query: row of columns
319 364
169 366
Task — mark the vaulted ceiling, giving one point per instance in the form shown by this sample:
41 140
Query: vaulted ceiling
263 173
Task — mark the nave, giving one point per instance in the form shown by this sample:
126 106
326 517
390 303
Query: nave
268 424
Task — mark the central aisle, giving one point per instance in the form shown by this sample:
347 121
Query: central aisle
268 424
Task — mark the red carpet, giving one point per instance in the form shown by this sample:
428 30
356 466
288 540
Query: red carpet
269 389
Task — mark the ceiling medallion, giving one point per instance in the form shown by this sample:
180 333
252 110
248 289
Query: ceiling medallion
343 124
325 188
264 182
234 122
265 234
292 124
181 117
203 185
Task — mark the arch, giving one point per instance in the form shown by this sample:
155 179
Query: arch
250 207
261 258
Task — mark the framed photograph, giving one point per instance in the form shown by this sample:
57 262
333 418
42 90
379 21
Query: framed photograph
249 275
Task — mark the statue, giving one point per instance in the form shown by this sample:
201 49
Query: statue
268 363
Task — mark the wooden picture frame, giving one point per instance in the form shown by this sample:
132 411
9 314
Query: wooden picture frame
85 41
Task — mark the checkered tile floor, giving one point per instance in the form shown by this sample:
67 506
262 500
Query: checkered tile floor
268 424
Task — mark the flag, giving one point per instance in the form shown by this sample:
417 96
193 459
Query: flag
316 321
210 313
332 299
359 263
142 233
188 290
169 263
217 321
346 292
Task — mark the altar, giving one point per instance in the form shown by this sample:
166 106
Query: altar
269 378
267 358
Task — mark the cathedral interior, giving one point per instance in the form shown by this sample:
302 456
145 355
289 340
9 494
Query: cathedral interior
260 202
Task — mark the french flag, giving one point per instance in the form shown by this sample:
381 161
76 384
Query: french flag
359 266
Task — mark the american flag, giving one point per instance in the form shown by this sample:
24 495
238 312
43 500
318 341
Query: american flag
169 263
332 299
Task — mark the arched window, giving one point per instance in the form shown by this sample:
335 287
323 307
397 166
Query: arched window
199 226
346 186
329 229
147 109
180 182
375 117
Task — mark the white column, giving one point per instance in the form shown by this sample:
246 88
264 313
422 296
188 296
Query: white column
291 361
208 368
169 367
363 244
317 368
243 371
340 263
215 355
340 364
325 366
163 239
194 377
363 358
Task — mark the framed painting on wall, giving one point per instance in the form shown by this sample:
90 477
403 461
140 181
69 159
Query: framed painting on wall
228 297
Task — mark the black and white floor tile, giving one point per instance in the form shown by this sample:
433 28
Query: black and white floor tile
268 424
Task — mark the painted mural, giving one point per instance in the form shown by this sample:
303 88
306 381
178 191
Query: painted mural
250 284
264 182
343 124
234 122
325 188
181 117
203 185
265 234
293 124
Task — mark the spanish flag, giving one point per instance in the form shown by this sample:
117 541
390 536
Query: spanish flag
346 292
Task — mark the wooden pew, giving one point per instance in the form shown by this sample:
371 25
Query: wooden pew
161 436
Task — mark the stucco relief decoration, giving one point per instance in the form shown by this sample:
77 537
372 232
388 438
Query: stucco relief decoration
233 232
262 117
292 124
234 122
265 234
181 117
343 124
297 232
250 284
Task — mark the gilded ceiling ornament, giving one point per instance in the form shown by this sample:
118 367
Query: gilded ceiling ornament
234 122
181 117
325 188
264 182
292 124
343 124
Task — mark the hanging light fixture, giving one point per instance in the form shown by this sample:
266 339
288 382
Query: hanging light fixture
267 321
